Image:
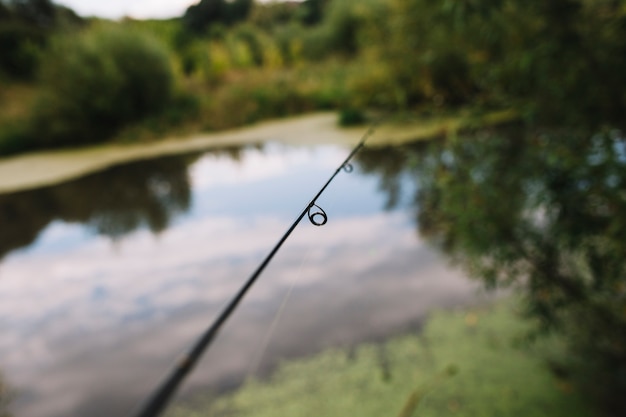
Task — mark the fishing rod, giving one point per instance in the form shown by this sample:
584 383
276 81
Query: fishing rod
161 396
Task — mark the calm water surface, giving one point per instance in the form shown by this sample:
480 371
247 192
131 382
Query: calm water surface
106 280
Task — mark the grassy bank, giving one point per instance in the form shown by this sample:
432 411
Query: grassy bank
226 64
37 169
464 363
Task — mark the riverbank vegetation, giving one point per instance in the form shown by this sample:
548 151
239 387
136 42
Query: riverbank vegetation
540 211
228 63
465 363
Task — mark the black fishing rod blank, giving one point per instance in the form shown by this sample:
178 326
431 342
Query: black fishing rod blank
161 397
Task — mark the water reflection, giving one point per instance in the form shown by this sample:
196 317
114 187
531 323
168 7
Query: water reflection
74 306
5 398
113 203
540 209
545 211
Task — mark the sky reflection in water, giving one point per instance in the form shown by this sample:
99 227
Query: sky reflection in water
92 314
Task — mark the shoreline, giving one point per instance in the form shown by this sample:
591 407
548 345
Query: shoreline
44 168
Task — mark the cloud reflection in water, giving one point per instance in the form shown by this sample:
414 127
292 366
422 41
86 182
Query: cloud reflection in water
89 327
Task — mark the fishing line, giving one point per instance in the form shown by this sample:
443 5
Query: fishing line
160 398
258 357
256 362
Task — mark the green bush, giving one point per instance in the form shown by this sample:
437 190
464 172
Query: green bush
95 83
14 139
253 39
560 61
540 211
20 45
201 16
351 117
269 15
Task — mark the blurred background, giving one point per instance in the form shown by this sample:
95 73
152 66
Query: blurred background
478 272
68 79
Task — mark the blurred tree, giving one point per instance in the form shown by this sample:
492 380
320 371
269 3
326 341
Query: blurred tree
25 26
20 45
237 10
253 39
557 61
272 14
94 84
41 13
343 22
540 211
199 17
311 12
344 27
5 12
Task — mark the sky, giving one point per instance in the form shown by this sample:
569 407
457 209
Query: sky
138 9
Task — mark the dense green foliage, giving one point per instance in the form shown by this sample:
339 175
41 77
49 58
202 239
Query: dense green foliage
199 17
351 117
542 211
19 45
555 62
559 60
25 26
95 83
463 364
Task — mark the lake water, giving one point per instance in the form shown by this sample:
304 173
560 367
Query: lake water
106 280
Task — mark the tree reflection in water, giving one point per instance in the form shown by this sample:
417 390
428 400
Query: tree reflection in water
544 212
112 203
